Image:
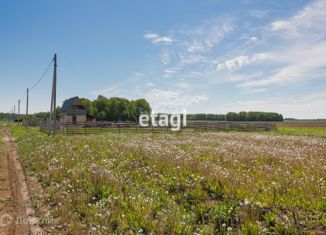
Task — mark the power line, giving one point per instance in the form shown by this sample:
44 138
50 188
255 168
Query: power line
35 85
21 99
43 75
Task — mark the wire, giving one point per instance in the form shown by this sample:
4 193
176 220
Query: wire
43 75
23 96
38 82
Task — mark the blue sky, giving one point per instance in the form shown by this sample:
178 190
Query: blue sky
199 56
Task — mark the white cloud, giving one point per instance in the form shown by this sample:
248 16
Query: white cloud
137 76
120 90
172 101
105 91
150 84
165 57
242 60
195 47
183 85
282 25
300 55
312 17
314 97
253 39
258 13
170 72
288 50
208 34
237 78
190 59
259 90
193 74
306 107
199 99
155 38
301 64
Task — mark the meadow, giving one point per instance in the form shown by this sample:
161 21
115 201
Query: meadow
182 183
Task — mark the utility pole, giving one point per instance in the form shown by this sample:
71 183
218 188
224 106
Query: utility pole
14 112
18 111
54 97
27 92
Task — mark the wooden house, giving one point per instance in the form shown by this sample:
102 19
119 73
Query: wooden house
73 111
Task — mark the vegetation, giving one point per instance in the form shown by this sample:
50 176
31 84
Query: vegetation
103 109
121 109
185 183
242 116
302 131
116 109
1 148
35 116
254 116
206 116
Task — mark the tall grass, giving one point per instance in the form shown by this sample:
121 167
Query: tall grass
185 183
302 131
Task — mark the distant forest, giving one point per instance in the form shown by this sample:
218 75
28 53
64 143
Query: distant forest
242 116
121 109
103 109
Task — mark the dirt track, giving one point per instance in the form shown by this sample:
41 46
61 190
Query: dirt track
16 215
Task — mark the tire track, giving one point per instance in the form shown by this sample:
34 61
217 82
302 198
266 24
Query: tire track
16 217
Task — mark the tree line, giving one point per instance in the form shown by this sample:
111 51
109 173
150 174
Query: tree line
102 109
241 116
254 116
32 117
206 116
115 109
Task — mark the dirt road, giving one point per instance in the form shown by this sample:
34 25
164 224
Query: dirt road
16 215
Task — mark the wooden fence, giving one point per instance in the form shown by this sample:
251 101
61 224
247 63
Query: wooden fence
32 123
102 127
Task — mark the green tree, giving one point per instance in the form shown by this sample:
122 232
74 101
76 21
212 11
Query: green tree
90 106
141 106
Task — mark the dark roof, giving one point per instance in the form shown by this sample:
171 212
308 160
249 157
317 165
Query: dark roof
66 105
76 112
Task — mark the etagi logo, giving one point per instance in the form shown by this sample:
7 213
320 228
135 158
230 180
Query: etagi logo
163 120
5 220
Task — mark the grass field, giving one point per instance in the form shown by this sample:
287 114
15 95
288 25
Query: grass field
302 131
302 124
185 183
1 148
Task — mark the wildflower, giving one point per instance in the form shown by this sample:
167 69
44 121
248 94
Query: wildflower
246 202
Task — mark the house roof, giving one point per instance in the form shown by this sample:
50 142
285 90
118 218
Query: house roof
66 105
76 112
